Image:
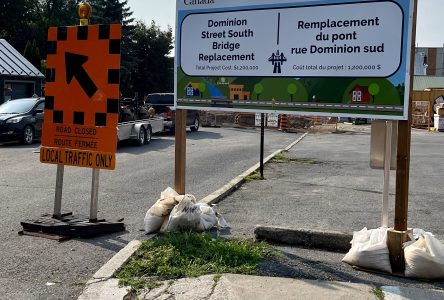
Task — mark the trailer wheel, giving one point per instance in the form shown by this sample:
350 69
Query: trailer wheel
148 135
142 136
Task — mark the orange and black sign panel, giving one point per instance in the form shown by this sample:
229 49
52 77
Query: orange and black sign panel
82 88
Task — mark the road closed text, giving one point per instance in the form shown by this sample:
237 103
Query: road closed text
76 158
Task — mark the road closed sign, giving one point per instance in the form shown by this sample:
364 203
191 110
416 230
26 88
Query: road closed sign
82 96
343 58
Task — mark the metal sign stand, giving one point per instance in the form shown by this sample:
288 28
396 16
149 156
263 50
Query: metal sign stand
261 160
64 226
58 192
387 161
94 196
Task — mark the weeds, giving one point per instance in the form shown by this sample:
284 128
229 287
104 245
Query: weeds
378 293
178 255
253 176
282 157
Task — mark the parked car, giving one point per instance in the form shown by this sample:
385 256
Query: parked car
21 120
163 104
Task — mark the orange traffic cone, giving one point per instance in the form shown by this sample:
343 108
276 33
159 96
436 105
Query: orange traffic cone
284 123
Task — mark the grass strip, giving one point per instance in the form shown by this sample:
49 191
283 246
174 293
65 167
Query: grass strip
253 176
179 255
282 157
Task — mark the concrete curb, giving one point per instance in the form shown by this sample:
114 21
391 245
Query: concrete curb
103 286
325 240
235 183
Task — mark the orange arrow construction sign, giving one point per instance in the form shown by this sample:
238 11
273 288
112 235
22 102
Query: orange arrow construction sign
82 96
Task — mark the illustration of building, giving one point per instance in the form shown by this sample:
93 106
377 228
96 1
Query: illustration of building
237 92
192 89
360 94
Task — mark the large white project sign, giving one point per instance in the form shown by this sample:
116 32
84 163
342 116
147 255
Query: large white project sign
279 54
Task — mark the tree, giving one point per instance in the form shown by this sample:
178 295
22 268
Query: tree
155 68
202 88
374 90
32 54
292 89
115 12
258 89
15 17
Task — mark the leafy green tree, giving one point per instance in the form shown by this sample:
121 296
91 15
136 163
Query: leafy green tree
115 12
374 90
202 88
292 89
155 68
258 89
15 17
32 54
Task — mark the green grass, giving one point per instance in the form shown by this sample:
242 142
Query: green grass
179 255
282 157
253 176
378 293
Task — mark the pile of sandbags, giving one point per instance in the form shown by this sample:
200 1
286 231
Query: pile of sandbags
174 212
424 254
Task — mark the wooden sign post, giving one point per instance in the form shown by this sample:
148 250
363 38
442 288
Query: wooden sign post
398 235
181 150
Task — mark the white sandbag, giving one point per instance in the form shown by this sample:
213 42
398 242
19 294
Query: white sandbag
152 223
425 258
185 215
369 250
157 213
208 218
168 192
188 215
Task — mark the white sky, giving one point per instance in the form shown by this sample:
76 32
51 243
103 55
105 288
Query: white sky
429 28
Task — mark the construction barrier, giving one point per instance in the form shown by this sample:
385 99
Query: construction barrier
283 124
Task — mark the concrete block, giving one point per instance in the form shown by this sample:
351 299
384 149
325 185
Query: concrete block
327 240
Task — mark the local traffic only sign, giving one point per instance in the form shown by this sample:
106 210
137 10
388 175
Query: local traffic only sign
82 96
335 57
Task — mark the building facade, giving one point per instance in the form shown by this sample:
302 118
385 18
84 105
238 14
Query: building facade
429 61
18 77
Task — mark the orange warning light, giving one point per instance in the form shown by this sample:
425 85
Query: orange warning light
85 10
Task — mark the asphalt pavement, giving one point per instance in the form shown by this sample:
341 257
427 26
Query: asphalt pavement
330 186
36 268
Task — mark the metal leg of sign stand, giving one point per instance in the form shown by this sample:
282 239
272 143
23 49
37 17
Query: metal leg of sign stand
64 226
58 192
94 196
387 160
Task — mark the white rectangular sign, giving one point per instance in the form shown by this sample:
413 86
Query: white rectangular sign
335 57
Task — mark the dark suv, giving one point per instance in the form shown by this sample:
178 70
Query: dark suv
163 105
22 120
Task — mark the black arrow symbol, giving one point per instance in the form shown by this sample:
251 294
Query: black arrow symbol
74 68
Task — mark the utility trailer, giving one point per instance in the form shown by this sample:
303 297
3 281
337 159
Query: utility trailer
139 130
135 123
